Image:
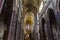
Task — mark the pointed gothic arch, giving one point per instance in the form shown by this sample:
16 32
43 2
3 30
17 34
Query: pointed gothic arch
42 30
52 21
51 16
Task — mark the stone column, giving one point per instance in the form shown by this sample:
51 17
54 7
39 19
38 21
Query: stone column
12 29
35 32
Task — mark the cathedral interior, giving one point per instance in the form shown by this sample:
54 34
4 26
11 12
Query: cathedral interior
29 19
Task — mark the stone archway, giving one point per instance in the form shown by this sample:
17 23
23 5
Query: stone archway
5 16
52 21
42 30
51 17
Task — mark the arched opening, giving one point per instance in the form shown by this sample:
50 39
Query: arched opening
5 17
42 30
52 18
52 21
